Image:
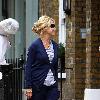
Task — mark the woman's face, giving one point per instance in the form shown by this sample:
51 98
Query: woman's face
51 30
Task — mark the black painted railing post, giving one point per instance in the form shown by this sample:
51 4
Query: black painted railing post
12 79
6 71
61 80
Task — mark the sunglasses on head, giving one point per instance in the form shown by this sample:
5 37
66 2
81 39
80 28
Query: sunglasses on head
52 25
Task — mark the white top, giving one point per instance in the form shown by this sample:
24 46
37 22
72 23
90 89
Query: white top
4 45
50 78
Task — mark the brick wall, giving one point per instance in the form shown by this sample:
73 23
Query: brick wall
80 47
70 55
93 43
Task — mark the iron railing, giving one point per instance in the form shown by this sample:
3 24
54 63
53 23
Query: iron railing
12 79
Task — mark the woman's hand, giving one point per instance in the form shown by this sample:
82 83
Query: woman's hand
28 93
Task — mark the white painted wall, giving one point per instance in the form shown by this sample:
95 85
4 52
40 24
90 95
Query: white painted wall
31 17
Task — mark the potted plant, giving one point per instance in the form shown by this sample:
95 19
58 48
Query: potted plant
61 57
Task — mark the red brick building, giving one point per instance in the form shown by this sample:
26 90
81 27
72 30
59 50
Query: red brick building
82 45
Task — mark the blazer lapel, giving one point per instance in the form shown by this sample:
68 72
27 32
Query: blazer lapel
43 49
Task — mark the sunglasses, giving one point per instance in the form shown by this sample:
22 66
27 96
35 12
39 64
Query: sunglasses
52 25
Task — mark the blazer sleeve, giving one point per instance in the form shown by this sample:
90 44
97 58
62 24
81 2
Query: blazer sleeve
28 66
56 64
56 69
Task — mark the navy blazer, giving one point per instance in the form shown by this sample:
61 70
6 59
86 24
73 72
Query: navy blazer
38 64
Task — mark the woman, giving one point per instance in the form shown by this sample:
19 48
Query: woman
42 62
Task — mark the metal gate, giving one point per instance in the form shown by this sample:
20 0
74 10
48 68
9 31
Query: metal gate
12 79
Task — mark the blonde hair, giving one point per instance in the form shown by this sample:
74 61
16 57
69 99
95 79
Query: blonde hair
43 22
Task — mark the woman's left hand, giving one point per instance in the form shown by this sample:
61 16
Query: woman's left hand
28 93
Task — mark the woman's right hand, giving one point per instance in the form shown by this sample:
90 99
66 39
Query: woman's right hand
28 93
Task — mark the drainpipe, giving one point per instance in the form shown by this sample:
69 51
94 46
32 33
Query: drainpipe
62 24
62 35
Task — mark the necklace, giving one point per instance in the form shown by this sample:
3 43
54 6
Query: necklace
46 42
46 45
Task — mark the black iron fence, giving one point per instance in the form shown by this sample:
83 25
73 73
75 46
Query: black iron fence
12 80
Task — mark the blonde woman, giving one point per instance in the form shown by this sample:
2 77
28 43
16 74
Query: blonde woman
42 62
